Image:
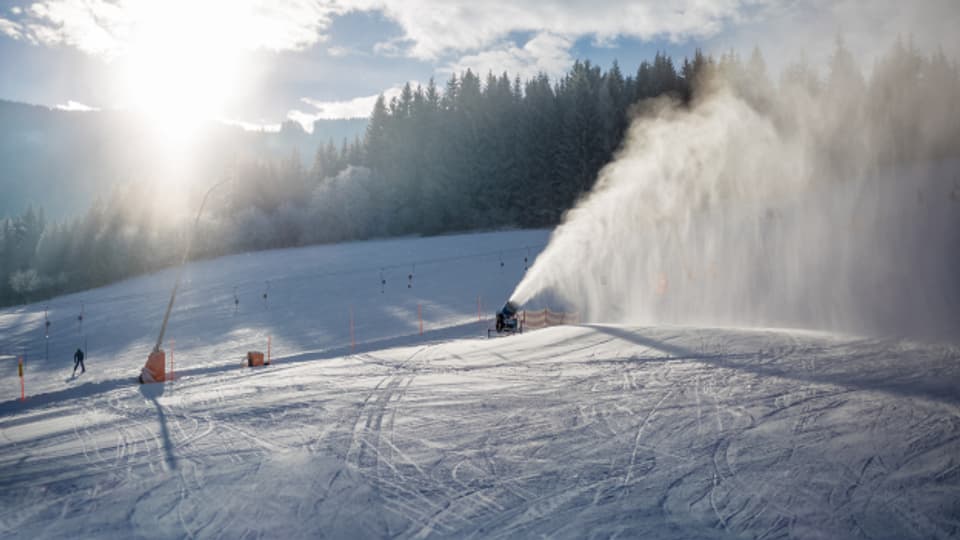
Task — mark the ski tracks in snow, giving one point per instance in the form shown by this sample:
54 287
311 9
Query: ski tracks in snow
639 433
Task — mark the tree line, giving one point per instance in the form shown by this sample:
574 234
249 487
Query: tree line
482 152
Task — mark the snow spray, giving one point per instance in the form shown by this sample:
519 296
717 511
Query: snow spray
716 213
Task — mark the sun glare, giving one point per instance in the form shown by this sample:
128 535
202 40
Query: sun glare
181 67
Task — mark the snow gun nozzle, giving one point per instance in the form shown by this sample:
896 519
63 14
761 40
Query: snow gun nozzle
509 309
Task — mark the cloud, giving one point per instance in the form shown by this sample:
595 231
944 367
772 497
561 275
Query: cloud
187 40
392 48
337 51
266 127
75 106
88 26
436 28
483 34
358 107
10 29
545 53
430 28
112 28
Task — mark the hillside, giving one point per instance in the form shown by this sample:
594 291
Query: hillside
65 160
589 430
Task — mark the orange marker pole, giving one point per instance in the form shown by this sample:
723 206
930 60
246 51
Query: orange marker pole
420 317
23 394
352 342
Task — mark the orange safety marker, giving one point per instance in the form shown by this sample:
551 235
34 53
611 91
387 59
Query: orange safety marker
420 317
154 371
23 394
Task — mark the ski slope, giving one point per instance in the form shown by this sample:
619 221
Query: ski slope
571 432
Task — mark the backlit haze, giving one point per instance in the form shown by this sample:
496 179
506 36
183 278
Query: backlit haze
724 196
258 63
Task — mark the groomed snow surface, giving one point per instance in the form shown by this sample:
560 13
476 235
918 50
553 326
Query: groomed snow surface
570 432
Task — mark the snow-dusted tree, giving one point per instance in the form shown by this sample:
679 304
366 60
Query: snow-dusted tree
24 282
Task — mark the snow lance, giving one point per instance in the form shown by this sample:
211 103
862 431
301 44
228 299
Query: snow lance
154 370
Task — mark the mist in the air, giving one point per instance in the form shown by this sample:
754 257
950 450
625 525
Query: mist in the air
825 202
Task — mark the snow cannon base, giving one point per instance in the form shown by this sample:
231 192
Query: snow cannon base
507 322
255 359
155 370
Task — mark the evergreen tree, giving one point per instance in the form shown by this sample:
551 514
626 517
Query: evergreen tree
491 151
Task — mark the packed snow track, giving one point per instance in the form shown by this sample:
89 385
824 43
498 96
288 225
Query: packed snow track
568 432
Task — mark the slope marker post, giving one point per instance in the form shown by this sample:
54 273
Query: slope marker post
23 394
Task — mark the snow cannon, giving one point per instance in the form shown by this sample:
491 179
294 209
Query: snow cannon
507 322
510 309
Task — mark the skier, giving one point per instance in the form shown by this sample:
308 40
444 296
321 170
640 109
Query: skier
78 361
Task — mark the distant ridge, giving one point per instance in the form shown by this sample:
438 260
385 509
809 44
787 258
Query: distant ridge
64 160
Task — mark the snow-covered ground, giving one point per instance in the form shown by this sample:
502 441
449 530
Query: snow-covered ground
575 431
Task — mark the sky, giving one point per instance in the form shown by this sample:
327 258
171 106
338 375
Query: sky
257 63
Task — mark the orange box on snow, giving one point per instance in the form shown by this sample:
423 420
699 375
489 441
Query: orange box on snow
255 358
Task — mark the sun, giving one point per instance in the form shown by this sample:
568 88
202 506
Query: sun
181 67
177 88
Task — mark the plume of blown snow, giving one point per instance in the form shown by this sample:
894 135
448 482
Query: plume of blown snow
792 214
